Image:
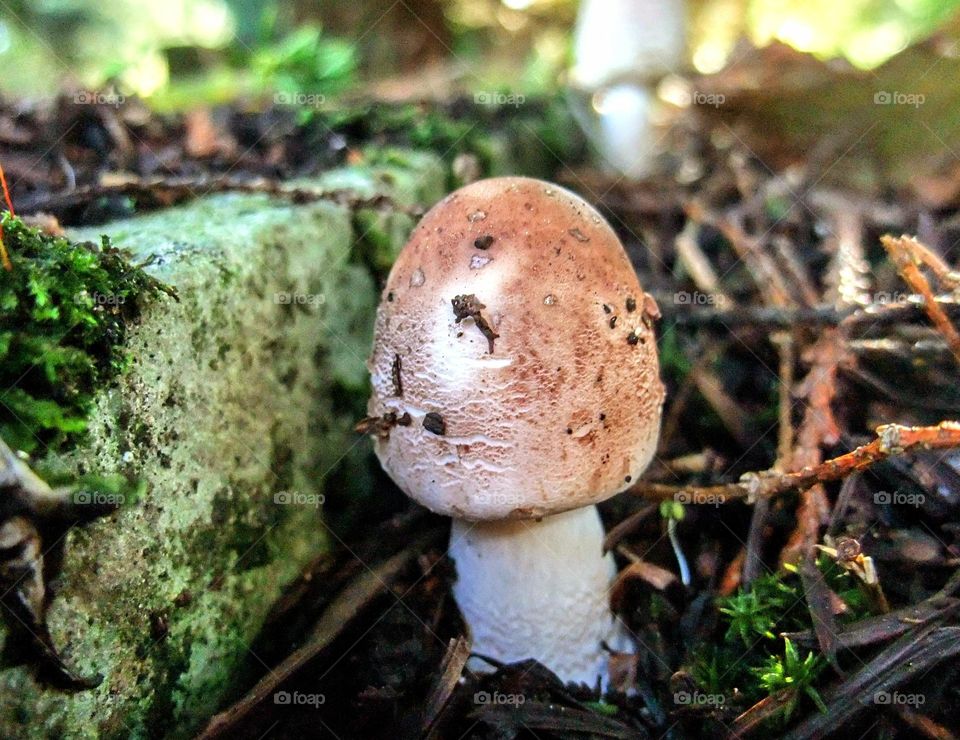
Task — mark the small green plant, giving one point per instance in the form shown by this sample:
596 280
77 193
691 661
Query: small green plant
792 674
755 613
64 312
751 661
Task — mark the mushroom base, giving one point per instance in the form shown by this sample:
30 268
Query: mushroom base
538 589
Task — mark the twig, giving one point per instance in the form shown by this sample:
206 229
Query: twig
906 252
4 257
761 268
168 191
628 525
818 428
356 597
697 264
874 315
892 439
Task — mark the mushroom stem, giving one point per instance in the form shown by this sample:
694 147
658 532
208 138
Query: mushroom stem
538 589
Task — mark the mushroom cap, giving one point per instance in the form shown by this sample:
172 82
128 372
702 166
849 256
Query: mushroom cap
514 366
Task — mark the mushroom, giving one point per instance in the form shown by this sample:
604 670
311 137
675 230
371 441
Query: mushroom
530 391
621 51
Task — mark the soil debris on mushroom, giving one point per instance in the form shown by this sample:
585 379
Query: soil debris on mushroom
468 306
435 424
395 376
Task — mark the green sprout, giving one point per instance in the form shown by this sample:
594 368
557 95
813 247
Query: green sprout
792 674
755 613
673 512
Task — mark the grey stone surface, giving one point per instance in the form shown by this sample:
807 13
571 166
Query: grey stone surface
228 413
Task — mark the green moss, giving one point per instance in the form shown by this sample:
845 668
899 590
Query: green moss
64 310
752 659
533 137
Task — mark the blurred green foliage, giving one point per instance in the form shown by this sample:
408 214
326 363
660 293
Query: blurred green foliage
195 51
305 60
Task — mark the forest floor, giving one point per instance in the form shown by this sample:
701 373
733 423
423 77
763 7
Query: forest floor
810 354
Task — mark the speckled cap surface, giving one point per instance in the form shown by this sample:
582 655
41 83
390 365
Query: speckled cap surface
514 366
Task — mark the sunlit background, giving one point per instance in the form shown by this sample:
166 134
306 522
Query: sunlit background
179 52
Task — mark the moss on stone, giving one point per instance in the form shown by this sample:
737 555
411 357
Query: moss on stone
242 392
64 312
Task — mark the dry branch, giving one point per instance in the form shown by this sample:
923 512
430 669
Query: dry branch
892 439
906 252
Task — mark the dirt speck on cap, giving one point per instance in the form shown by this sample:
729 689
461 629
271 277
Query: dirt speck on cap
435 424
468 306
395 376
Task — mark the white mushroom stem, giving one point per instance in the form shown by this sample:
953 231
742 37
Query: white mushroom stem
538 589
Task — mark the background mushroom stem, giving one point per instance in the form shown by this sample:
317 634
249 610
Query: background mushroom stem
538 589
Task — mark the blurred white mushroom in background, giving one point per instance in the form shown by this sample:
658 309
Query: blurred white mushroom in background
622 50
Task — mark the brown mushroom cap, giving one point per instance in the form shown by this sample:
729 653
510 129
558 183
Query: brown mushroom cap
545 395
